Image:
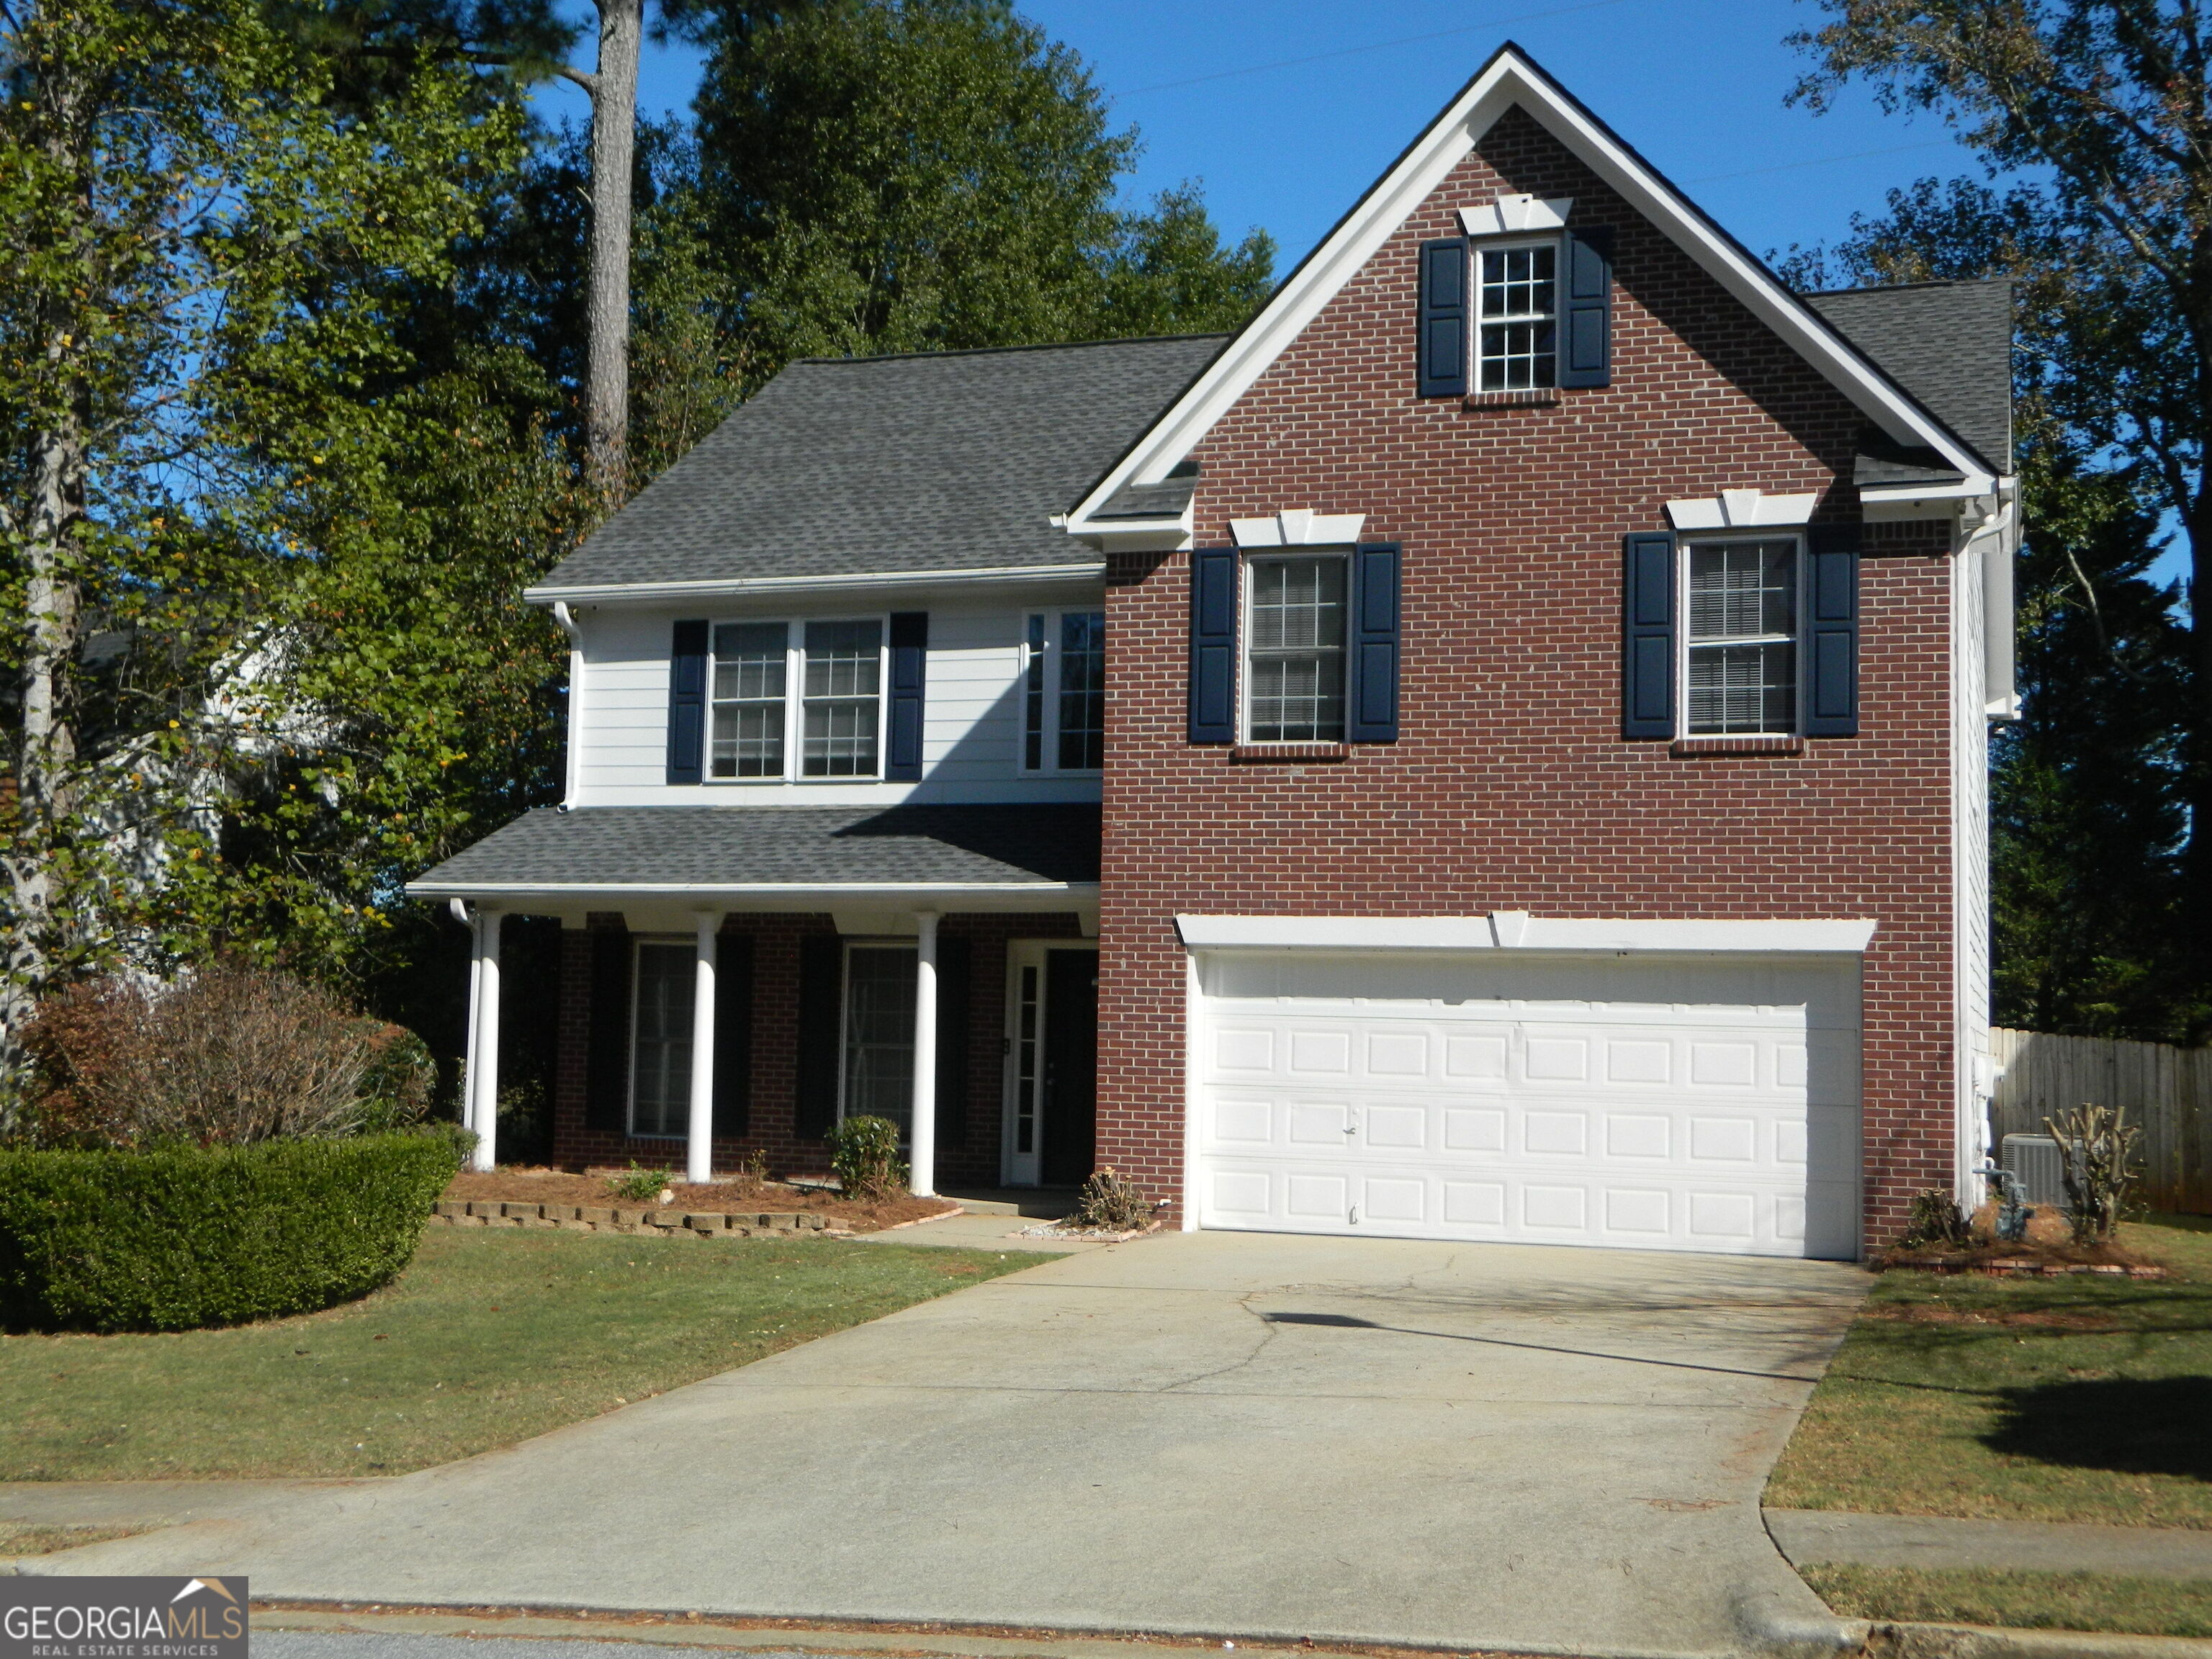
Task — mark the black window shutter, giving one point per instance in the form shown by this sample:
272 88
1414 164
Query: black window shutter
1371 698
1586 310
687 702
1647 665
1832 631
1214 645
1442 351
734 1033
821 1035
909 669
606 1057
956 958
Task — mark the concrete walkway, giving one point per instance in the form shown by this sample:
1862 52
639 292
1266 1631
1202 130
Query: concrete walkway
1359 1441
1929 1540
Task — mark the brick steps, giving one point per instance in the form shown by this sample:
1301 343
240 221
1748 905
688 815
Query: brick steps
615 1218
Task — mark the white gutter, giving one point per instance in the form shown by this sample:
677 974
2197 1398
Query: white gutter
705 889
575 700
739 587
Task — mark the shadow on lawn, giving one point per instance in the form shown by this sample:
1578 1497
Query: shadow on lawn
2154 1426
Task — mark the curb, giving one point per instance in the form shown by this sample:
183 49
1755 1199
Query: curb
1787 1634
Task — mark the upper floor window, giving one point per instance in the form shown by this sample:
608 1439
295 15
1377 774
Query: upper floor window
825 687
1295 660
1064 692
1516 318
1741 641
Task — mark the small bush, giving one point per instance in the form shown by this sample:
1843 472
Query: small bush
864 1152
1937 1220
233 1054
1111 1203
180 1236
639 1185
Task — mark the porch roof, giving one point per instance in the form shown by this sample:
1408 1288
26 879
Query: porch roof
958 857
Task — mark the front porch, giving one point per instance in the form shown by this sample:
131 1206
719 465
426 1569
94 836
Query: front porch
733 981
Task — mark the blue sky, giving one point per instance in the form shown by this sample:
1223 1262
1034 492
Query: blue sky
1219 93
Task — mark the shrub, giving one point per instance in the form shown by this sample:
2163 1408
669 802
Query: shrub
233 1053
1111 1203
1937 1220
178 1237
639 1185
864 1152
2097 1155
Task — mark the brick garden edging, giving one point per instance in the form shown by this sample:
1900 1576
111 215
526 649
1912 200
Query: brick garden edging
597 1218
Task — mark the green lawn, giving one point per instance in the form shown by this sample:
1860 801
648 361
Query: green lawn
488 1338
2074 1399
45 1540
2020 1600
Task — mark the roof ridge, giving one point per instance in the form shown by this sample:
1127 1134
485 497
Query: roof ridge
1899 287
989 351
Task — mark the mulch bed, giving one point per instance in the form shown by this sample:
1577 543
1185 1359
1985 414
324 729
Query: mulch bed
2023 1258
523 1185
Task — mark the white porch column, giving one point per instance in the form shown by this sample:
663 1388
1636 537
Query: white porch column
922 1137
483 1044
468 919
699 1147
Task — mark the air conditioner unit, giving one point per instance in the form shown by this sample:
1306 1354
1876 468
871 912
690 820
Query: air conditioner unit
2035 1160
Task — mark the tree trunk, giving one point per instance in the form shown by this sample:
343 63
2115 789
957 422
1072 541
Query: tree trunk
614 143
49 519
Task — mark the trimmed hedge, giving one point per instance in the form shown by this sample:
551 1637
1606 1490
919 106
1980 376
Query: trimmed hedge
177 1237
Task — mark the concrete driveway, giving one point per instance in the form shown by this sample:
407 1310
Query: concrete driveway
1373 1441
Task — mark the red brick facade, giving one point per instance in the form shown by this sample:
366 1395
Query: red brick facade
1510 787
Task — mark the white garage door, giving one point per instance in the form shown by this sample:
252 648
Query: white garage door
1695 1105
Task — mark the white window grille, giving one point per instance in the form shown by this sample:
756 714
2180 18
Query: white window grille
842 699
1742 637
1517 317
1295 658
751 688
665 977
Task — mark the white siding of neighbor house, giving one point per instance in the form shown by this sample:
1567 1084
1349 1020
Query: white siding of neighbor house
971 723
1970 794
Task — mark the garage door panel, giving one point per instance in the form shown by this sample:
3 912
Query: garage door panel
1499 1104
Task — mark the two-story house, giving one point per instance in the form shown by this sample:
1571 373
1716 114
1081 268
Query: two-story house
1493 750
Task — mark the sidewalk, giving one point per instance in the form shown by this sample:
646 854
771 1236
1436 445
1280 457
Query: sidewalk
1938 1542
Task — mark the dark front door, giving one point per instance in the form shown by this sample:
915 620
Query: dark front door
1070 1066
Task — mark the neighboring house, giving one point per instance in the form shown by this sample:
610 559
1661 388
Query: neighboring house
1494 750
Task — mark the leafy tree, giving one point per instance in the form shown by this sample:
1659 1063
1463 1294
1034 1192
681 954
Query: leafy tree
199 241
2096 118
900 175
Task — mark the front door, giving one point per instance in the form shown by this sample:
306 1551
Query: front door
1052 1094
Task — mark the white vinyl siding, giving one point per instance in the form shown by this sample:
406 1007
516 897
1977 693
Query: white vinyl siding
971 723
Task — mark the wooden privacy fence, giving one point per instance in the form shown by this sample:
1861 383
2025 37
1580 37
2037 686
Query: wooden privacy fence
2168 1093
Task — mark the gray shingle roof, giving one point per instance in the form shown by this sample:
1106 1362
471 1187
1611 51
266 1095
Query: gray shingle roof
663 846
945 462
1947 344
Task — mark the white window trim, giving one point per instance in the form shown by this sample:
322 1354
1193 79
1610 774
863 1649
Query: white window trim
1477 246
637 943
1048 744
1279 555
794 700
1796 638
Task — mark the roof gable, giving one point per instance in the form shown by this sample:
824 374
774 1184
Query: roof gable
1512 81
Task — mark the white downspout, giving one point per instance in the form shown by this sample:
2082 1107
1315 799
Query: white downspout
459 910
483 1044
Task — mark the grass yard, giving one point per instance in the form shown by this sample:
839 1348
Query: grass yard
45 1540
2074 1399
487 1339
2019 1600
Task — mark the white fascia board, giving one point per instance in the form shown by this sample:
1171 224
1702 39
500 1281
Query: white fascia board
1511 80
1515 931
762 894
742 586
